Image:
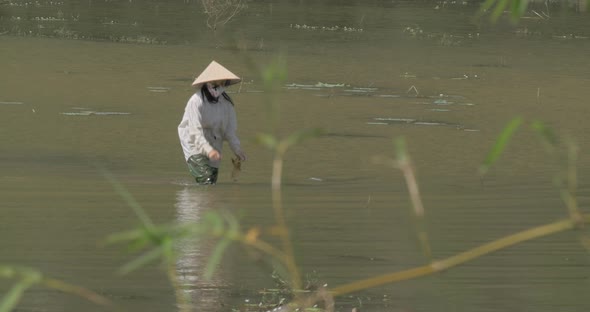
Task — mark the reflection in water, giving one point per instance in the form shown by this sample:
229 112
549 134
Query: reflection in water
205 295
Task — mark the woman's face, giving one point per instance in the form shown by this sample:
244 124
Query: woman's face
218 83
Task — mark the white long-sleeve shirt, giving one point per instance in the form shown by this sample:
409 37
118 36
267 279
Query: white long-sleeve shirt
205 125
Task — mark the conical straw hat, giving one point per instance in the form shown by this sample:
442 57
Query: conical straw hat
215 72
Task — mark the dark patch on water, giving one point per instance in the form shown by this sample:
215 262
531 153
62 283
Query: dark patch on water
353 135
417 122
492 65
361 258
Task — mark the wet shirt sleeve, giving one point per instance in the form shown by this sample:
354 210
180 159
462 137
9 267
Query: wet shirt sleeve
192 136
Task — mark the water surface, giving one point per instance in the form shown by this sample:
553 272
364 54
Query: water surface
115 95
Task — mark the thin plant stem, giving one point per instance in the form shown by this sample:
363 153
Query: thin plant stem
453 261
30 277
236 10
129 199
412 184
404 163
259 245
413 189
268 249
280 217
76 290
572 182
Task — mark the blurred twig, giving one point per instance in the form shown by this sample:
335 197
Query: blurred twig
453 261
219 12
404 163
28 277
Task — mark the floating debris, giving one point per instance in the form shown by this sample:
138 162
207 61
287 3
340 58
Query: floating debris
329 90
431 123
442 95
413 31
410 121
329 85
47 19
316 86
316 179
111 113
465 77
325 28
367 89
407 75
570 36
440 110
395 120
296 85
441 102
90 113
413 88
158 89
11 103
360 90
77 114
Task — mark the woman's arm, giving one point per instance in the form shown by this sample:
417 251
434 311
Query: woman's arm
196 135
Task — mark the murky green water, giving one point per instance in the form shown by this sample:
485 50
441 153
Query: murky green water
66 104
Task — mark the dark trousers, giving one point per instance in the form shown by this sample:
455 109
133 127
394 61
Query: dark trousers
198 165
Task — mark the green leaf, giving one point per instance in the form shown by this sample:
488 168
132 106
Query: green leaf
499 9
486 5
518 9
515 9
233 226
500 145
524 4
214 223
143 260
127 197
400 149
546 133
275 73
267 140
138 244
13 296
215 258
7 271
169 254
124 236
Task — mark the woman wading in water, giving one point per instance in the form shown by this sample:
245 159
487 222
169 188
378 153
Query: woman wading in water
209 119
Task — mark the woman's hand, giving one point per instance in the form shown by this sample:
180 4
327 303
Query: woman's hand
214 155
241 155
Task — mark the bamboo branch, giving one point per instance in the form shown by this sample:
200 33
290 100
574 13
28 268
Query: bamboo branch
453 261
